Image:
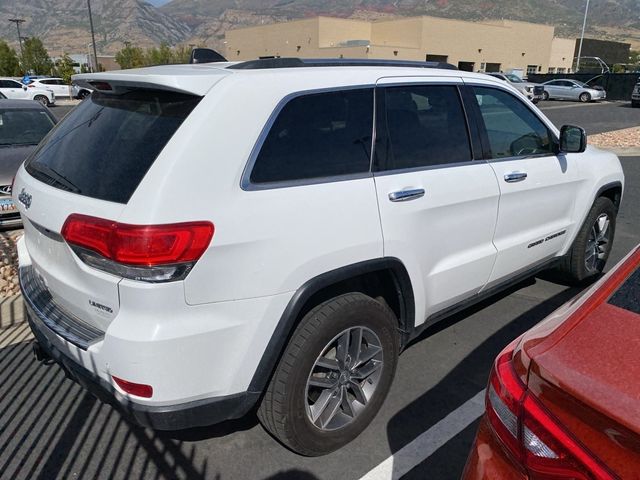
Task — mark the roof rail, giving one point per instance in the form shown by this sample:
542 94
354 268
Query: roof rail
293 62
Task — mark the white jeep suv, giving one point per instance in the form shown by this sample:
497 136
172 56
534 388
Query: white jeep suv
203 239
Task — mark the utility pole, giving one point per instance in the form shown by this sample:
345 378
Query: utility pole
93 39
584 25
18 21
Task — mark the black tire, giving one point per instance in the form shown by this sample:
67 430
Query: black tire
585 97
284 410
575 265
635 104
42 99
82 94
545 96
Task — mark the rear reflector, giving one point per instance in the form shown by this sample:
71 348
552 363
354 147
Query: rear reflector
138 251
137 389
531 434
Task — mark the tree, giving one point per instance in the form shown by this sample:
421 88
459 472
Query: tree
9 65
130 57
36 58
160 56
64 68
181 55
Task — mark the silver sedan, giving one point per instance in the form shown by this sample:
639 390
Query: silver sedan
572 90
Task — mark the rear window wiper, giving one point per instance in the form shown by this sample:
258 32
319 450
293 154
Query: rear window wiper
54 176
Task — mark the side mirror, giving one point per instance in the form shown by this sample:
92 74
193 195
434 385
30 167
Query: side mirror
573 139
205 55
24 88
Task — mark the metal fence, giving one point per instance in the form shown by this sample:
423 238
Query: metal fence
618 85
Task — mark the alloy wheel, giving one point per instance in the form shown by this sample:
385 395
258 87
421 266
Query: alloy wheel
597 243
343 378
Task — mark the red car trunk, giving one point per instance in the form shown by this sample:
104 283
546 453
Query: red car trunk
585 367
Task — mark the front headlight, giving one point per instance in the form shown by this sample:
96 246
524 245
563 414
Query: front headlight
528 89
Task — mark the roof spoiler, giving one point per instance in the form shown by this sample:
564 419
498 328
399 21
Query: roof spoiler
205 55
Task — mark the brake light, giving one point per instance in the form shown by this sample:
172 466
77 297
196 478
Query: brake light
141 252
531 434
137 389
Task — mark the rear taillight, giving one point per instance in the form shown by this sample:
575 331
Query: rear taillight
531 434
154 253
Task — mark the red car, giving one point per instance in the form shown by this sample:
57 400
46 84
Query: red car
563 400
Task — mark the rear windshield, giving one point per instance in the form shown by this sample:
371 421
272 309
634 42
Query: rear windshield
106 145
628 295
23 127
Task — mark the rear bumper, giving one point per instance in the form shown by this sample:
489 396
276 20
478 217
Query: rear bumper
166 417
487 459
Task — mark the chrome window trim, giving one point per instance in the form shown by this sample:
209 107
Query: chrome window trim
245 182
440 166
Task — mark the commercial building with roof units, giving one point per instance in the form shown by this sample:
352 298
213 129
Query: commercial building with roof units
489 46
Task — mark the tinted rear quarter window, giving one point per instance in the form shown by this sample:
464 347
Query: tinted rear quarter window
104 147
316 136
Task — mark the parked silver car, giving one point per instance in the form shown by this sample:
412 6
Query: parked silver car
22 125
635 95
572 90
528 89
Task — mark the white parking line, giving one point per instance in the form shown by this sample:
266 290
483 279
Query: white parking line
423 446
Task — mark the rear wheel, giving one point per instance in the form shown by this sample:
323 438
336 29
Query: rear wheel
333 376
592 245
585 97
42 99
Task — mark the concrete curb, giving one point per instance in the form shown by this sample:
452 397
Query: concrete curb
625 152
11 311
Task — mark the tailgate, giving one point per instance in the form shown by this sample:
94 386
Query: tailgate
76 289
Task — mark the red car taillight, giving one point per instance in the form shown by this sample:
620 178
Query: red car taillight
142 252
531 434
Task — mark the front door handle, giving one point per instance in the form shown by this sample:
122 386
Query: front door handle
514 177
406 195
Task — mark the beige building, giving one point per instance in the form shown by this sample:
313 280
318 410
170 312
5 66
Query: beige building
489 46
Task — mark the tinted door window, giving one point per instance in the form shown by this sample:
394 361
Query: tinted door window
513 129
318 135
421 126
105 146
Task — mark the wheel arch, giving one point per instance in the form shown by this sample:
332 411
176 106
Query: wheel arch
612 191
382 277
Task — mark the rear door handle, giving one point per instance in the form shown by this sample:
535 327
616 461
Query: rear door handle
514 177
406 195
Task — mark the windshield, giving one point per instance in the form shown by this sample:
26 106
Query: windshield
106 145
23 127
514 78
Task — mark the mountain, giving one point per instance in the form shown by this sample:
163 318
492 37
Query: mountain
64 26
612 19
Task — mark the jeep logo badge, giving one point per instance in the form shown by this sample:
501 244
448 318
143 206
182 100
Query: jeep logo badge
25 199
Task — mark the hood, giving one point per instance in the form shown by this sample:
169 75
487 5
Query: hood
11 157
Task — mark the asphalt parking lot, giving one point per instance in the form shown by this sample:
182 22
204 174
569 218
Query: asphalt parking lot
51 428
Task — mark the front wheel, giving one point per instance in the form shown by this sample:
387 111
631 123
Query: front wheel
592 245
42 99
585 97
333 376
545 96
